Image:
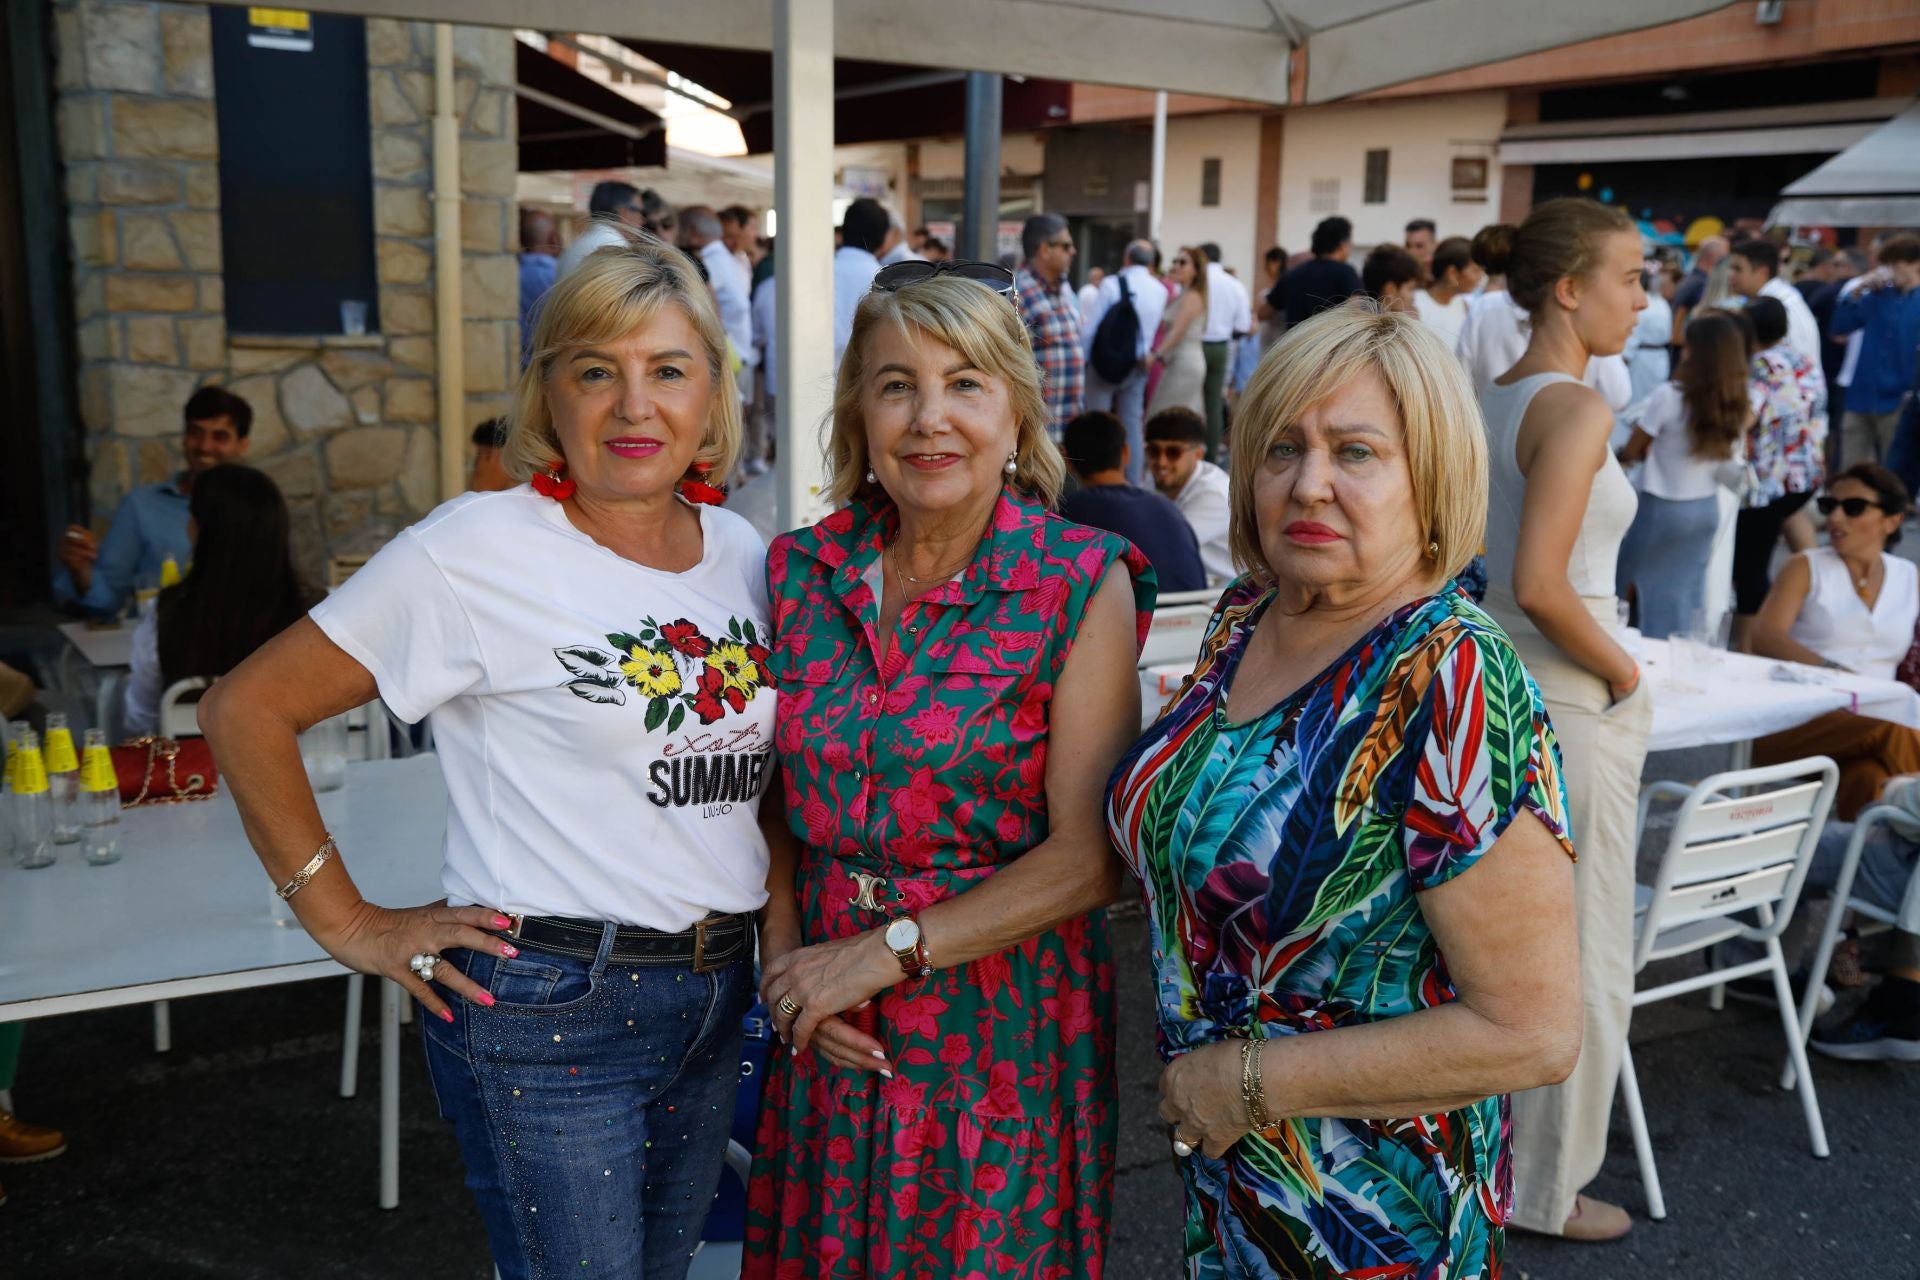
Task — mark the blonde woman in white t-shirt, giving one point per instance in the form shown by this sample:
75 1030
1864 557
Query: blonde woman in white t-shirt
592 647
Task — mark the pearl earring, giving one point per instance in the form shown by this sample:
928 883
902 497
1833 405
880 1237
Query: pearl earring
1013 463
870 476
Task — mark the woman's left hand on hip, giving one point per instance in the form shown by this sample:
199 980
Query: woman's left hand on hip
825 979
1200 1098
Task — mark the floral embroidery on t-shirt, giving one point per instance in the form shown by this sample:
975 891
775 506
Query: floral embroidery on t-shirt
674 668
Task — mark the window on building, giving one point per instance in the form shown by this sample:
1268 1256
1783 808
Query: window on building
1376 185
1210 182
1470 179
1323 195
296 174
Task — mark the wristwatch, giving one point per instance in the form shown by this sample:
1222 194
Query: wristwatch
902 937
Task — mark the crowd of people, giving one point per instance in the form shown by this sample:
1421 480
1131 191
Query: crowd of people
898 755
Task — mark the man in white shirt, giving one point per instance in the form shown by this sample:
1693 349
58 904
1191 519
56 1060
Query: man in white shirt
1126 399
611 206
1176 449
897 247
1755 273
706 238
1088 292
1229 314
863 232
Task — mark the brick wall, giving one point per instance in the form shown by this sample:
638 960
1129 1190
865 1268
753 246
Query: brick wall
347 426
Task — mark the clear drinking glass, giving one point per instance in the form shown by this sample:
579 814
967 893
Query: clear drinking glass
323 750
99 804
353 317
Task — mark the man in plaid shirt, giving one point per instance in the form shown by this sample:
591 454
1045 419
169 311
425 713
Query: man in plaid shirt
1047 306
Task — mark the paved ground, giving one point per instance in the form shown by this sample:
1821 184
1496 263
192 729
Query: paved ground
231 1157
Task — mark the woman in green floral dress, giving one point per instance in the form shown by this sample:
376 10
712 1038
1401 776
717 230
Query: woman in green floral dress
956 674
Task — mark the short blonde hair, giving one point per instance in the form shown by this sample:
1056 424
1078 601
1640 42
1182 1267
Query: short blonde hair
1446 443
986 329
613 292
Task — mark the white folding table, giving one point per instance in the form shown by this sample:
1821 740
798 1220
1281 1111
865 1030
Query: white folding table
1733 698
109 651
189 911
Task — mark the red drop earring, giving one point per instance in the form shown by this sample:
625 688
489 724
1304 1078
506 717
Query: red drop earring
554 482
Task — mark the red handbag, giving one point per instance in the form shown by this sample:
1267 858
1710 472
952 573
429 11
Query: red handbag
164 770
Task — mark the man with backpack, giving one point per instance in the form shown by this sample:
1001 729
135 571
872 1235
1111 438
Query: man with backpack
1118 329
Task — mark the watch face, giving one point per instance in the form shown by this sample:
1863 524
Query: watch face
902 934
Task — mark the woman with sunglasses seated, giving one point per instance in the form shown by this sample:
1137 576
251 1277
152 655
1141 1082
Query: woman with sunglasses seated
956 675
1850 606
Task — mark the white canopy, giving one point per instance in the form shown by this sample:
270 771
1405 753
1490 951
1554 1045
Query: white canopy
1221 48
1242 49
1873 183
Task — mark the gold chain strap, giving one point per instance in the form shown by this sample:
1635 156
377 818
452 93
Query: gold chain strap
170 749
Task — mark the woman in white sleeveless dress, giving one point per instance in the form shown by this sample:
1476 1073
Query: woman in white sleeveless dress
1184 376
1559 507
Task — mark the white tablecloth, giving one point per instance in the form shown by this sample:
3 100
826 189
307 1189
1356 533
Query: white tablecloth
101 646
1735 698
189 901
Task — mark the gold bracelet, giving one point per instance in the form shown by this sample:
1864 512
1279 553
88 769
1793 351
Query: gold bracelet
1253 1086
308 872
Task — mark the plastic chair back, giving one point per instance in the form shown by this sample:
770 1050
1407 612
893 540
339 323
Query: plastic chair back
1731 853
178 715
1178 628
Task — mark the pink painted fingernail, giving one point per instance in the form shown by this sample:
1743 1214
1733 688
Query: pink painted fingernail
879 1055
793 1050
446 1015
511 953
485 998
887 1074
501 922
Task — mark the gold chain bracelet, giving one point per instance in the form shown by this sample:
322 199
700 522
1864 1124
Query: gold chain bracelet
1253 1088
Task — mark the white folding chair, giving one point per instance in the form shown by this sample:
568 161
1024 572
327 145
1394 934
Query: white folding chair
1878 917
1178 627
1741 843
179 713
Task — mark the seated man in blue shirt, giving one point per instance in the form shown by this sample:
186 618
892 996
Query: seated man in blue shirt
1095 443
150 526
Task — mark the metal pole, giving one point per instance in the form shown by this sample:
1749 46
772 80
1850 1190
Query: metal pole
1157 191
980 224
803 271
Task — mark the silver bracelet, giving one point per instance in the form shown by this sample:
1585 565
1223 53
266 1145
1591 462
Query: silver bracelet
308 872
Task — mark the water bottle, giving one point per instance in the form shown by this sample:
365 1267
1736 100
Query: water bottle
99 801
63 779
32 805
6 789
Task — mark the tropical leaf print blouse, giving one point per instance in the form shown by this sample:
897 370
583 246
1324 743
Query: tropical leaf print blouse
1282 860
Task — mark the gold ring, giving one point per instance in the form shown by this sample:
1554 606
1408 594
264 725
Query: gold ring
788 1007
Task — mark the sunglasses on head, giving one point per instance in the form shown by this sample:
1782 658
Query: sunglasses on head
901 274
1854 507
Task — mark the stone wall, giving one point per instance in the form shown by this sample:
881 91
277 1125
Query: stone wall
347 426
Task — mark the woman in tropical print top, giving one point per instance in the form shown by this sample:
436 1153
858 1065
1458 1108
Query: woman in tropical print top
1351 834
957 678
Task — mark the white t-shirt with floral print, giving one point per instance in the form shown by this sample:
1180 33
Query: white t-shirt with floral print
605 729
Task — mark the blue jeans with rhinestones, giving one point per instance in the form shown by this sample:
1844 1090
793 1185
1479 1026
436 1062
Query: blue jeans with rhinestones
592 1104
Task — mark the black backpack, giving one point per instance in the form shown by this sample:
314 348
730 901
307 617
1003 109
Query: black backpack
1116 343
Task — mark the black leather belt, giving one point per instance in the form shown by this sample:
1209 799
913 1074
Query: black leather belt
713 943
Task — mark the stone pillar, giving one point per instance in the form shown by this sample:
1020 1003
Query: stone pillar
137 134
345 425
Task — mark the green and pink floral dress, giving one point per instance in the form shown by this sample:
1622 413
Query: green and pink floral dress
990 1153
